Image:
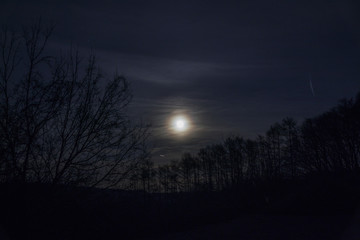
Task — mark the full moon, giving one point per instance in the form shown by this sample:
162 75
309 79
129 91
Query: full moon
180 124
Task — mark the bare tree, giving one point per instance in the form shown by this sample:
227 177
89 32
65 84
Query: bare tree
62 120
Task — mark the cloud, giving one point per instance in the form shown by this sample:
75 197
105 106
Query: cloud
233 67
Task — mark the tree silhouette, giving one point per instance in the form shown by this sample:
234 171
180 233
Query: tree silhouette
62 120
328 143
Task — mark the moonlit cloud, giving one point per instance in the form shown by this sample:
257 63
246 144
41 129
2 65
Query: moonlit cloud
233 68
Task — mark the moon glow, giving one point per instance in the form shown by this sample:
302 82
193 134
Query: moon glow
180 124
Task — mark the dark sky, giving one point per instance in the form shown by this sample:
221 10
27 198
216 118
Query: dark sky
233 67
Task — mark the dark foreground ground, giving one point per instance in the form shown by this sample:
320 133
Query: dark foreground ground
318 207
264 227
251 227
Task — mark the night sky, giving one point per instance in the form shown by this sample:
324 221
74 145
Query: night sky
231 67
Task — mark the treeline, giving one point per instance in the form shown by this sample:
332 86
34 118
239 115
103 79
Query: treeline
326 144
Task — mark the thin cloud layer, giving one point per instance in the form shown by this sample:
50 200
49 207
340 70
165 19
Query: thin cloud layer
233 68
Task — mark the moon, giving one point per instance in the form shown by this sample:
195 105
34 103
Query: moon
180 124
